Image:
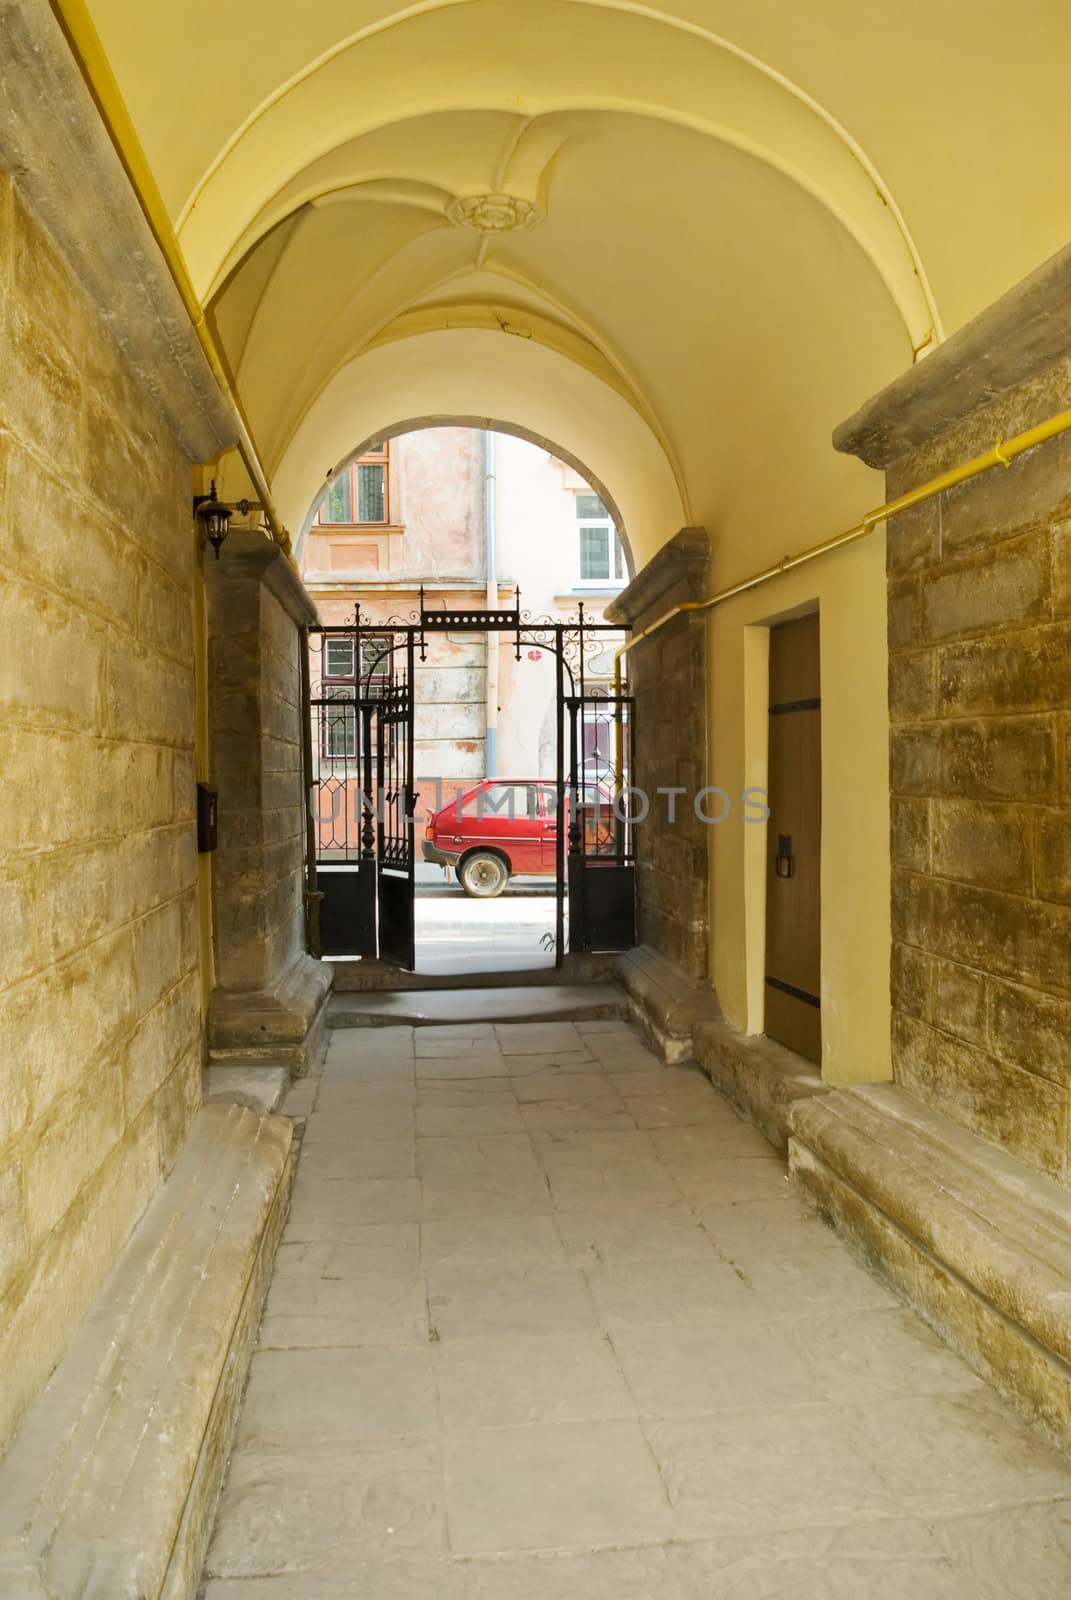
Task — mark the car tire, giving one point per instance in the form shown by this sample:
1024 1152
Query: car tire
483 875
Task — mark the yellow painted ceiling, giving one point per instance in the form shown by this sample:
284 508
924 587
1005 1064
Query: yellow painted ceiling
747 216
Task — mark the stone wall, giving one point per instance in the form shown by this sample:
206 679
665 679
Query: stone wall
980 701
269 991
668 680
99 1012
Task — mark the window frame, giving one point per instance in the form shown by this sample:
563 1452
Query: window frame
615 550
370 458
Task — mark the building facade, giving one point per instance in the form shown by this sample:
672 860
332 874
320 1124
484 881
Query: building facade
463 517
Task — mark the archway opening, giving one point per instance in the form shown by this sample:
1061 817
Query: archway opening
445 518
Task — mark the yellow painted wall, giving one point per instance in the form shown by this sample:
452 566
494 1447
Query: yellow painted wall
849 589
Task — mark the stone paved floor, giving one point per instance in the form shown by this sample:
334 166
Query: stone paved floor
550 1324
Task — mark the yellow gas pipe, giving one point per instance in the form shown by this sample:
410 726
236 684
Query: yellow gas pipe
73 17
1002 454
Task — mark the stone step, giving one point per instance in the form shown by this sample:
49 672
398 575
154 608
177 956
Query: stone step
109 1488
976 1240
366 975
435 1007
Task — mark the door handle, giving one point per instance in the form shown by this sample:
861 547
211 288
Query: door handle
784 860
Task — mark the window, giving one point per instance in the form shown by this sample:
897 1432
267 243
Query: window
360 493
602 559
340 725
340 655
338 659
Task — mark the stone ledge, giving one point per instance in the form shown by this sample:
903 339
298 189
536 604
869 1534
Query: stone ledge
285 1024
976 1240
760 1076
676 572
261 1086
1027 329
251 556
667 1006
109 1489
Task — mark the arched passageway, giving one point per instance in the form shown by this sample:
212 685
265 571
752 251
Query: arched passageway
685 243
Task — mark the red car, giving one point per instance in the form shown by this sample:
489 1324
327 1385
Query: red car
504 826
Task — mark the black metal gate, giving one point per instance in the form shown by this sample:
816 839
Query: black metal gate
362 802
596 856
360 796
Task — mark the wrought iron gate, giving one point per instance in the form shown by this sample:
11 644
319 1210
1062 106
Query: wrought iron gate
362 802
596 856
360 795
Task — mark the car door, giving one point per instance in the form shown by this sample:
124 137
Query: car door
548 828
504 815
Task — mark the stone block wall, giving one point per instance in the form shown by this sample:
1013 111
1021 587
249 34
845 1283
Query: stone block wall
269 991
980 701
99 1013
668 682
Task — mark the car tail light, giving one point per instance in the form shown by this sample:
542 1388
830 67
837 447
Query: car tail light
429 832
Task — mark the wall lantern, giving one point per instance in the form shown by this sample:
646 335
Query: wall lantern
214 515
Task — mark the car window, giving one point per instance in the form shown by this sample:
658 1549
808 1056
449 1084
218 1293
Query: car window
507 801
592 795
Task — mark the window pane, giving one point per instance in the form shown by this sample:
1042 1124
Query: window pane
340 728
620 569
594 553
375 657
339 662
371 492
337 506
589 505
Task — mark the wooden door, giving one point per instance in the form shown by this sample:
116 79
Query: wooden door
793 905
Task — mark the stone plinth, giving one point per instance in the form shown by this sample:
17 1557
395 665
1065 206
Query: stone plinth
668 680
269 992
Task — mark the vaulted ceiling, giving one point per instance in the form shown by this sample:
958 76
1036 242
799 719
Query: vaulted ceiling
683 243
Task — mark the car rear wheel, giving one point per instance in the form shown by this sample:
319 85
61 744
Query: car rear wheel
483 875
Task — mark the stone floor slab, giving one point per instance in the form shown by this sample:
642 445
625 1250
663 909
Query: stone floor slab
475 1153
767 1225
336 1312
502 1380
463 1121
877 1355
366 1158
665 1233
675 1370
556 1486
636 1574
751 1471
595 1114
331 1208
871 1561
1010 1553
294 1511
466 1302
303 1399
585 1149
387 1249
635 1187
512 1241
682 1291
554 1083
579 1361
444 1069
499 1194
